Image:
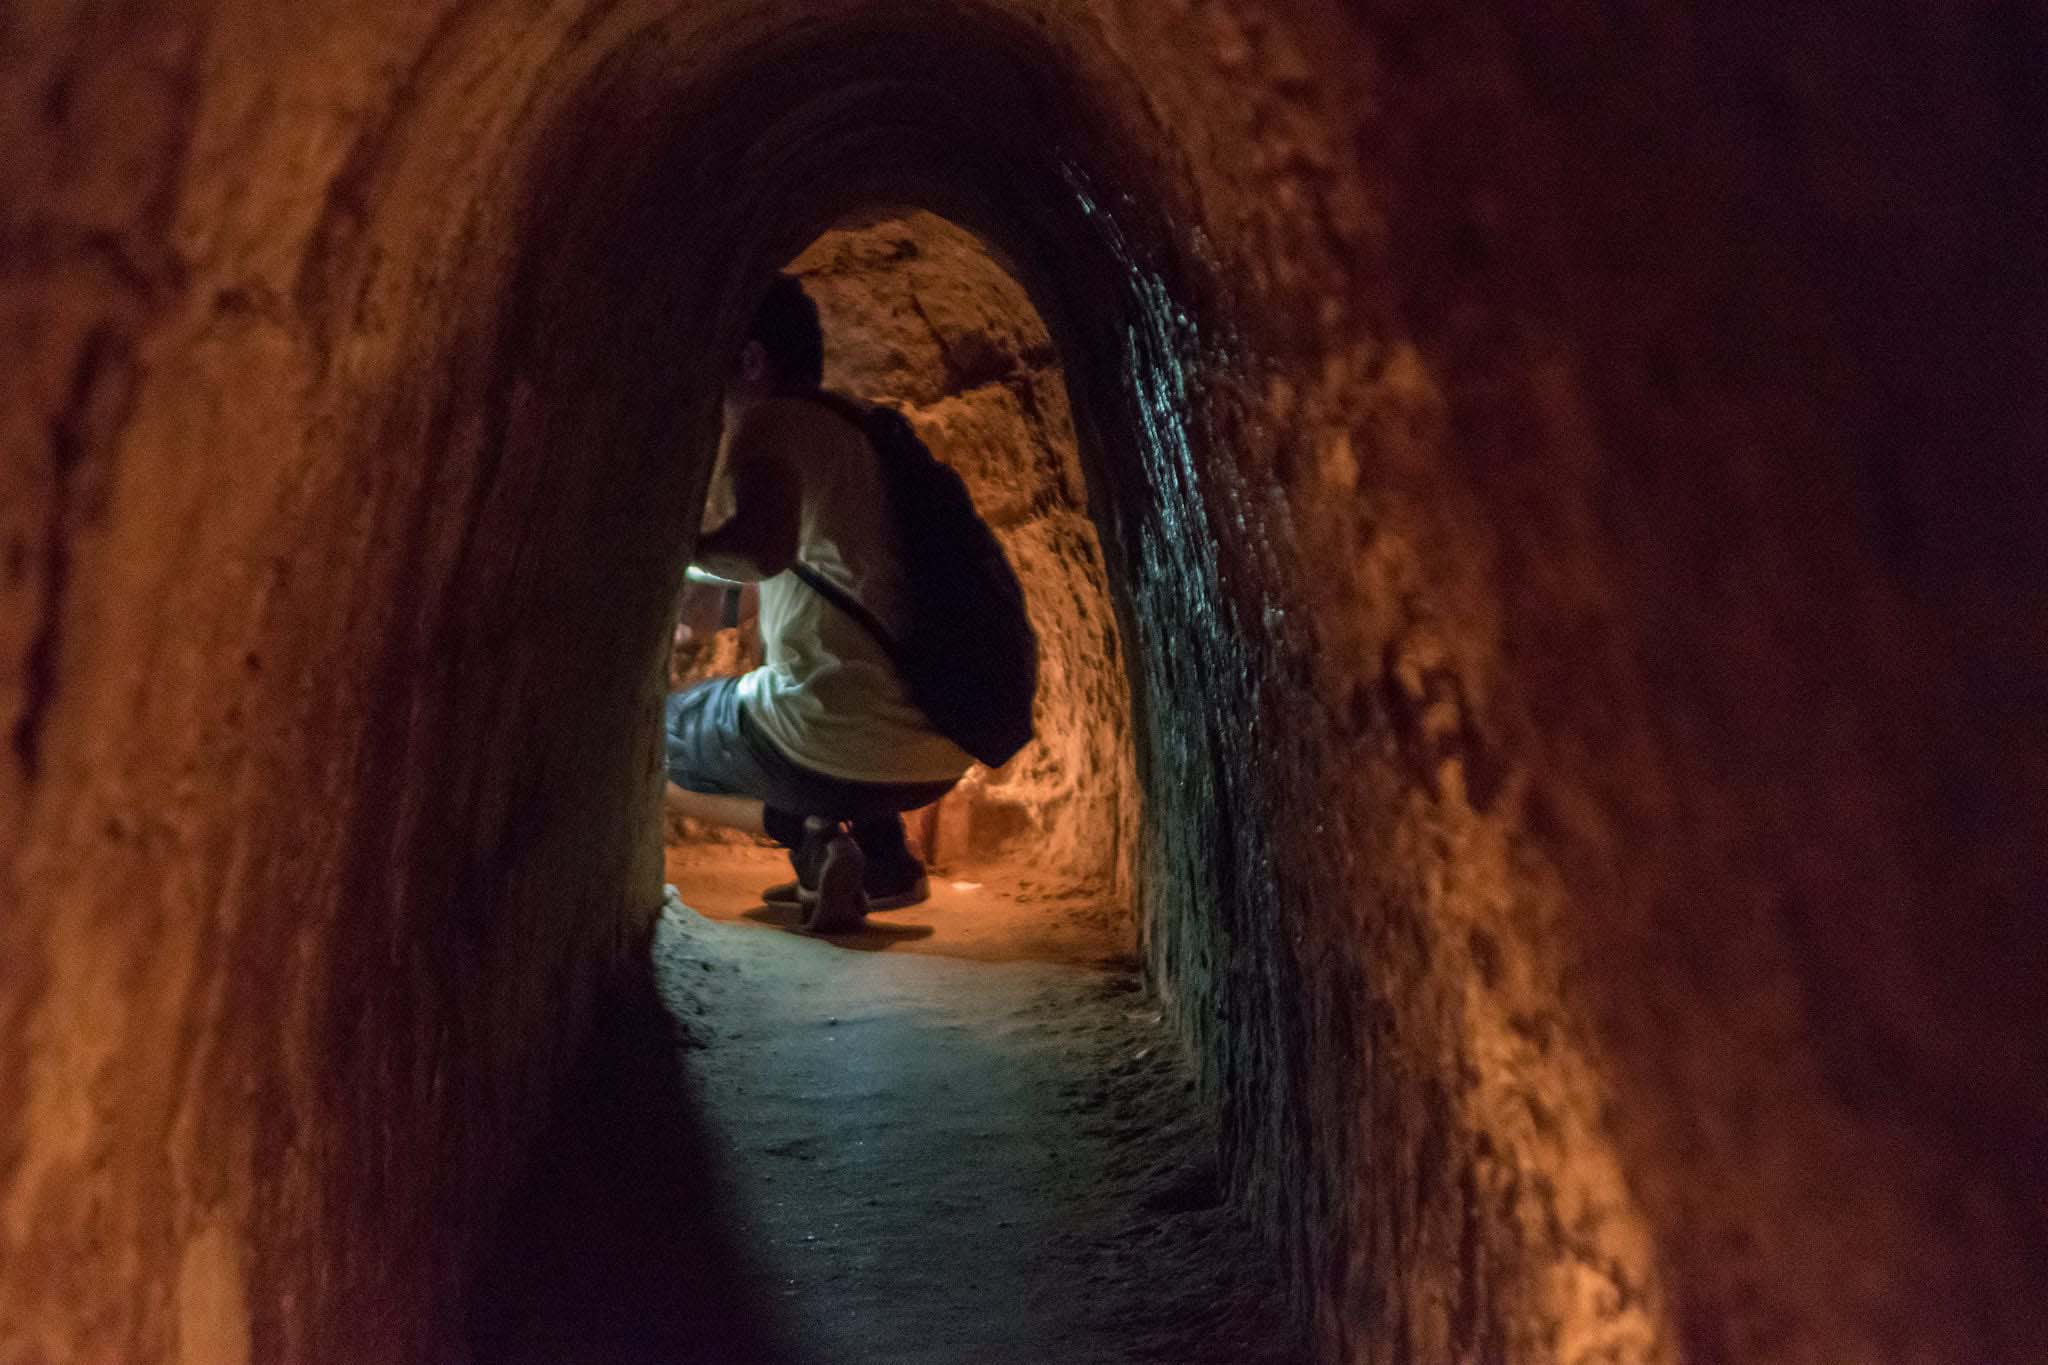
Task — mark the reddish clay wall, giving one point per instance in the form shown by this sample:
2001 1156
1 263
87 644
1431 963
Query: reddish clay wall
1567 479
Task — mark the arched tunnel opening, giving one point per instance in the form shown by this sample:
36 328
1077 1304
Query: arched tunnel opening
1565 488
1040 850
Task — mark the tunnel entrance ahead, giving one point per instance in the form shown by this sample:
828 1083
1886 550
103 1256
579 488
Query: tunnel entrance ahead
1034 858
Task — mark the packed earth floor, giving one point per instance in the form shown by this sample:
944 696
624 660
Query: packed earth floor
963 1135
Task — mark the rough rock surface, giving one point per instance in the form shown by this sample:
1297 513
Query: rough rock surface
1568 479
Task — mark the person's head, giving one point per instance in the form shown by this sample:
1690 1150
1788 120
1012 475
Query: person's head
785 346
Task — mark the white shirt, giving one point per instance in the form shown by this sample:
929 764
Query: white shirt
828 697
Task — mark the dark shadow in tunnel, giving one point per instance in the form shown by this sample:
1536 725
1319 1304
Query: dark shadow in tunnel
871 937
617 1249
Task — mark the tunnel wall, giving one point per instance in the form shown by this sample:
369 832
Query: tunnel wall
1567 477
326 790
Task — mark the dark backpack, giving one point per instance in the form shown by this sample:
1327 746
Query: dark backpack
969 658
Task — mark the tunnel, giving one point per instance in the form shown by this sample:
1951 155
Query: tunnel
1567 481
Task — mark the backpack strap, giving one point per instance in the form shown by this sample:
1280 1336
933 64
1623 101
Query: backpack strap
857 414
852 606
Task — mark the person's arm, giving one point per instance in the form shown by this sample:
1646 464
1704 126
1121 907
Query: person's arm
759 540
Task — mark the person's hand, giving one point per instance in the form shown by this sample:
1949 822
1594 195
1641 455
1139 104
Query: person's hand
698 615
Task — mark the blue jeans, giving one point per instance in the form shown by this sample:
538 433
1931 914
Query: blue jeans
713 749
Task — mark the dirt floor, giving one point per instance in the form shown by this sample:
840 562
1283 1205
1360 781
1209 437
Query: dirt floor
964 1135
983 913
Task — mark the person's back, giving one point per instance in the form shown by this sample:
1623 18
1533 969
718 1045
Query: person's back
827 696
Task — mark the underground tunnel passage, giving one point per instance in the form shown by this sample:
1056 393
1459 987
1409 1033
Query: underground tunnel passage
1567 486
907 1161
916 314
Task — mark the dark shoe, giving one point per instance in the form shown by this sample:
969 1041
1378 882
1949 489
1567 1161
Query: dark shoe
887 888
808 856
836 903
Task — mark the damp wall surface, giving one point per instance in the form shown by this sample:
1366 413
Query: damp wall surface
1568 480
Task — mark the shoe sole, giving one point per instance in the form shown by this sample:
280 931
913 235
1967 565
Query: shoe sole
838 904
917 894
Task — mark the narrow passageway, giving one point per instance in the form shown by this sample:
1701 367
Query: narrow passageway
1535 515
966 1131
915 1156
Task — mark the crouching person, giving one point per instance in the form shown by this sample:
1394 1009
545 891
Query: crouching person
822 747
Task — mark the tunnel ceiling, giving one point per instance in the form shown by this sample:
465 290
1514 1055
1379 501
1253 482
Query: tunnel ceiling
1566 477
